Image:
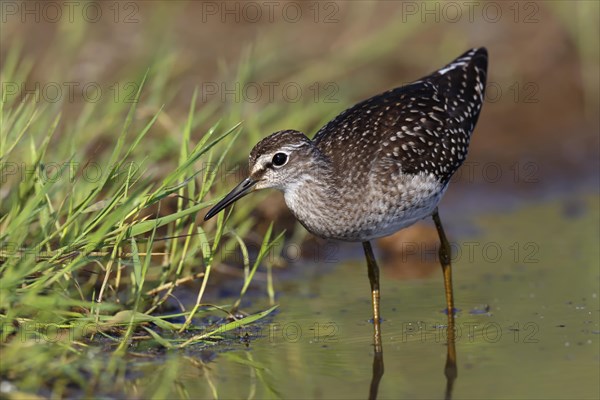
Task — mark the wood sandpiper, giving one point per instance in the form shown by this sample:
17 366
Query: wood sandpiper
378 167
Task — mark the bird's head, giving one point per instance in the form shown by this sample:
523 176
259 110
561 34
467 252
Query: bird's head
281 161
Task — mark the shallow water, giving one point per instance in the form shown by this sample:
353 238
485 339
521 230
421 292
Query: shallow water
528 325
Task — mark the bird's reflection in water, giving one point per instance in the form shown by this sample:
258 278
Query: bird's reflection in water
450 369
377 373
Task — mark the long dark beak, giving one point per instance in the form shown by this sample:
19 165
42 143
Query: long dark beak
237 193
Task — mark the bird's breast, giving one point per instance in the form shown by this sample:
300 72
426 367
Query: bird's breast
363 212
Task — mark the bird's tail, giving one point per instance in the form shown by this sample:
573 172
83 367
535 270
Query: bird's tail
462 82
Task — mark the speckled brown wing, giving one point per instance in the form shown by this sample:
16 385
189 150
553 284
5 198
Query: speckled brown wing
423 127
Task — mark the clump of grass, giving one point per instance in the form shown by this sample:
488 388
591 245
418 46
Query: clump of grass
86 260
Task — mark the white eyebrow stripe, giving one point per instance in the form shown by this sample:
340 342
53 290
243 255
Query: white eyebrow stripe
291 147
265 159
260 163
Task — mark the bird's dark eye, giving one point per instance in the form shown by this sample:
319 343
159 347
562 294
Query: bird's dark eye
279 159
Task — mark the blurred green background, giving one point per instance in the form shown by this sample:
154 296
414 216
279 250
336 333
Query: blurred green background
529 185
